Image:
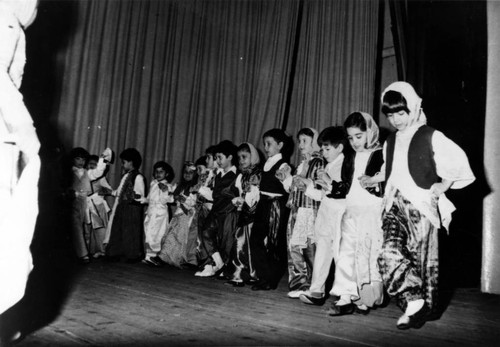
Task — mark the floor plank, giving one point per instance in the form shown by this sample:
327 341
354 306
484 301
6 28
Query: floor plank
116 304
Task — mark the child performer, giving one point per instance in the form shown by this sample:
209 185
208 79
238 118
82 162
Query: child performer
357 279
125 228
217 234
98 210
157 218
178 246
268 237
303 211
421 164
239 269
332 192
82 188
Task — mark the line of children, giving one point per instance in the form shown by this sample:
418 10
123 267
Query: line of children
372 212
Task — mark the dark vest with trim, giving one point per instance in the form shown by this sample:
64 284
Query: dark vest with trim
269 183
421 162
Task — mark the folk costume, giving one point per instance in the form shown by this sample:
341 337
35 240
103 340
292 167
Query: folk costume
416 158
239 269
268 237
125 232
301 240
217 234
179 244
157 216
356 270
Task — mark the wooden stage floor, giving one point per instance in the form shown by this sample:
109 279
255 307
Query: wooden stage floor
117 304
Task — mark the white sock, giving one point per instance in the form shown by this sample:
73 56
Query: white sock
414 306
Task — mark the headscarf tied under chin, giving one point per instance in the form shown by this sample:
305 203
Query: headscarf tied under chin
24 10
413 101
254 155
372 142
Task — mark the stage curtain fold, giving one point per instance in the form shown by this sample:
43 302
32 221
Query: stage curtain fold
171 77
336 63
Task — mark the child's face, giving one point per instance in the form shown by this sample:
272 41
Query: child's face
357 139
244 159
399 120
92 164
188 174
305 144
200 169
127 165
79 162
210 161
223 161
330 152
160 174
272 147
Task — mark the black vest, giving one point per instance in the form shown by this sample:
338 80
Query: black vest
421 162
269 183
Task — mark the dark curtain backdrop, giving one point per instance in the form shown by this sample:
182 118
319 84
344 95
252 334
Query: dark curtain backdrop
173 77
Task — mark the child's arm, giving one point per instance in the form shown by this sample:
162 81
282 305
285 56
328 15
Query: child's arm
166 195
452 164
284 174
139 187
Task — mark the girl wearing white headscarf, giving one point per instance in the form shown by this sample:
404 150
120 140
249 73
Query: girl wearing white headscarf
239 269
303 211
18 139
420 165
357 278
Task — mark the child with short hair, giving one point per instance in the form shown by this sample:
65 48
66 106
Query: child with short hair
239 269
217 234
268 238
157 216
98 209
303 210
82 188
125 232
357 279
329 188
421 165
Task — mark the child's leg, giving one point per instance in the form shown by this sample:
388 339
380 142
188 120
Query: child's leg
409 250
345 284
77 228
300 250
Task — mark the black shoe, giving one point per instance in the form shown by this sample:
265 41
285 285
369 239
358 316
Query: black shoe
311 300
84 260
157 261
235 283
415 321
364 312
341 310
262 285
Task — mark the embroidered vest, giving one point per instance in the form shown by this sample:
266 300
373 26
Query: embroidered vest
421 162
127 192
